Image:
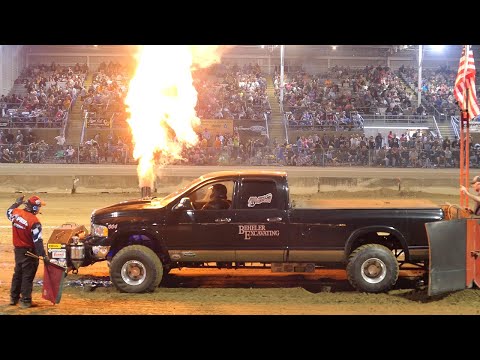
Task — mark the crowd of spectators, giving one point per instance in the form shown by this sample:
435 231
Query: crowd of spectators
232 92
437 89
49 93
413 149
103 102
223 93
22 146
331 104
337 99
410 149
417 149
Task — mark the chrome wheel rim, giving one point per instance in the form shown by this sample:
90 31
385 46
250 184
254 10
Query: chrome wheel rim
133 272
373 270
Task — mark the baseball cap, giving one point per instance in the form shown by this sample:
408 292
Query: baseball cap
475 179
35 200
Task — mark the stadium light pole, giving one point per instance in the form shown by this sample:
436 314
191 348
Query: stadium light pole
282 53
269 63
420 63
421 50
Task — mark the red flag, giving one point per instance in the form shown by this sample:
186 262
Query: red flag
466 80
53 276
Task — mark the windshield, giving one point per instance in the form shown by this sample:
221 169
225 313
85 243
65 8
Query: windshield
167 199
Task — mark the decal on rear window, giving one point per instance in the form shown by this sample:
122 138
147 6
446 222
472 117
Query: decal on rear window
257 200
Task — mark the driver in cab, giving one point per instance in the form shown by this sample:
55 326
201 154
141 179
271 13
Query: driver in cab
218 198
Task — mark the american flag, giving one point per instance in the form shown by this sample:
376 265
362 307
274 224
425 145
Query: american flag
466 80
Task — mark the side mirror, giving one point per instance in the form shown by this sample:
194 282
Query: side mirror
184 204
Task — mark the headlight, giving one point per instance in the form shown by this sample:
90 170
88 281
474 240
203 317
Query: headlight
99 230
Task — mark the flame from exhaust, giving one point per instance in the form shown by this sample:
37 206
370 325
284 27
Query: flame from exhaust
161 101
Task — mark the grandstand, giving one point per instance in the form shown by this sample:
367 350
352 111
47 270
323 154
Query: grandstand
353 105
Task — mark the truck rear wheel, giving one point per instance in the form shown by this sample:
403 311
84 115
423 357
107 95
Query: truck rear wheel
372 268
136 269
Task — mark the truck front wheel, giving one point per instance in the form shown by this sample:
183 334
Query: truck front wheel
136 269
372 268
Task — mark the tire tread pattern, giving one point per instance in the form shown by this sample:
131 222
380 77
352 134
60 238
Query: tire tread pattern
392 270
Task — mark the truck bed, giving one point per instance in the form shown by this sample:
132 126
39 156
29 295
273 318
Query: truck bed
365 203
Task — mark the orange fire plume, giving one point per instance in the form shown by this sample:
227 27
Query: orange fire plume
161 101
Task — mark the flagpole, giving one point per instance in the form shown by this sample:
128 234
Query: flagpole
464 135
419 86
464 89
462 157
467 148
467 123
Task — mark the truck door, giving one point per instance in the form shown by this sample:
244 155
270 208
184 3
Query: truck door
201 235
261 222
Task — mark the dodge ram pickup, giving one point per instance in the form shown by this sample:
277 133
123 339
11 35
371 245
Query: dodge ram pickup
256 226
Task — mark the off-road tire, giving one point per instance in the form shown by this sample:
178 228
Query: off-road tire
142 259
372 268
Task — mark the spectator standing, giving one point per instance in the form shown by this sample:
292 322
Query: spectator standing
206 135
475 197
19 137
60 141
69 154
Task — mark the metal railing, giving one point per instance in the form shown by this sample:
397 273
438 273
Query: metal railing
455 125
254 155
284 119
436 126
421 121
34 122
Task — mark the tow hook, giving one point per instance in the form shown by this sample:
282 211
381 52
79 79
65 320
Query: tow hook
420 284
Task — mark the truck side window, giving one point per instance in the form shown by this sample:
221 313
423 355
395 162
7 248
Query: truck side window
257 194
205 194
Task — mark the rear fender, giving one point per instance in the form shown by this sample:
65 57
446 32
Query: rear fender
357 234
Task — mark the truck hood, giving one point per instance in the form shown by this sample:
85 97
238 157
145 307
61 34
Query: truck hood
128 206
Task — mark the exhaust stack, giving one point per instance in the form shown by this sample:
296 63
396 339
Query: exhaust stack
146 192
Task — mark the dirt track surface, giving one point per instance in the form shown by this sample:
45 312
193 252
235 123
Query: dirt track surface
213 291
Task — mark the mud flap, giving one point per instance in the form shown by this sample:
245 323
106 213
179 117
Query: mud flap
454 255
447 242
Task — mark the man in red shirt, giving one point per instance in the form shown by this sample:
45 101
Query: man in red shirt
27 236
